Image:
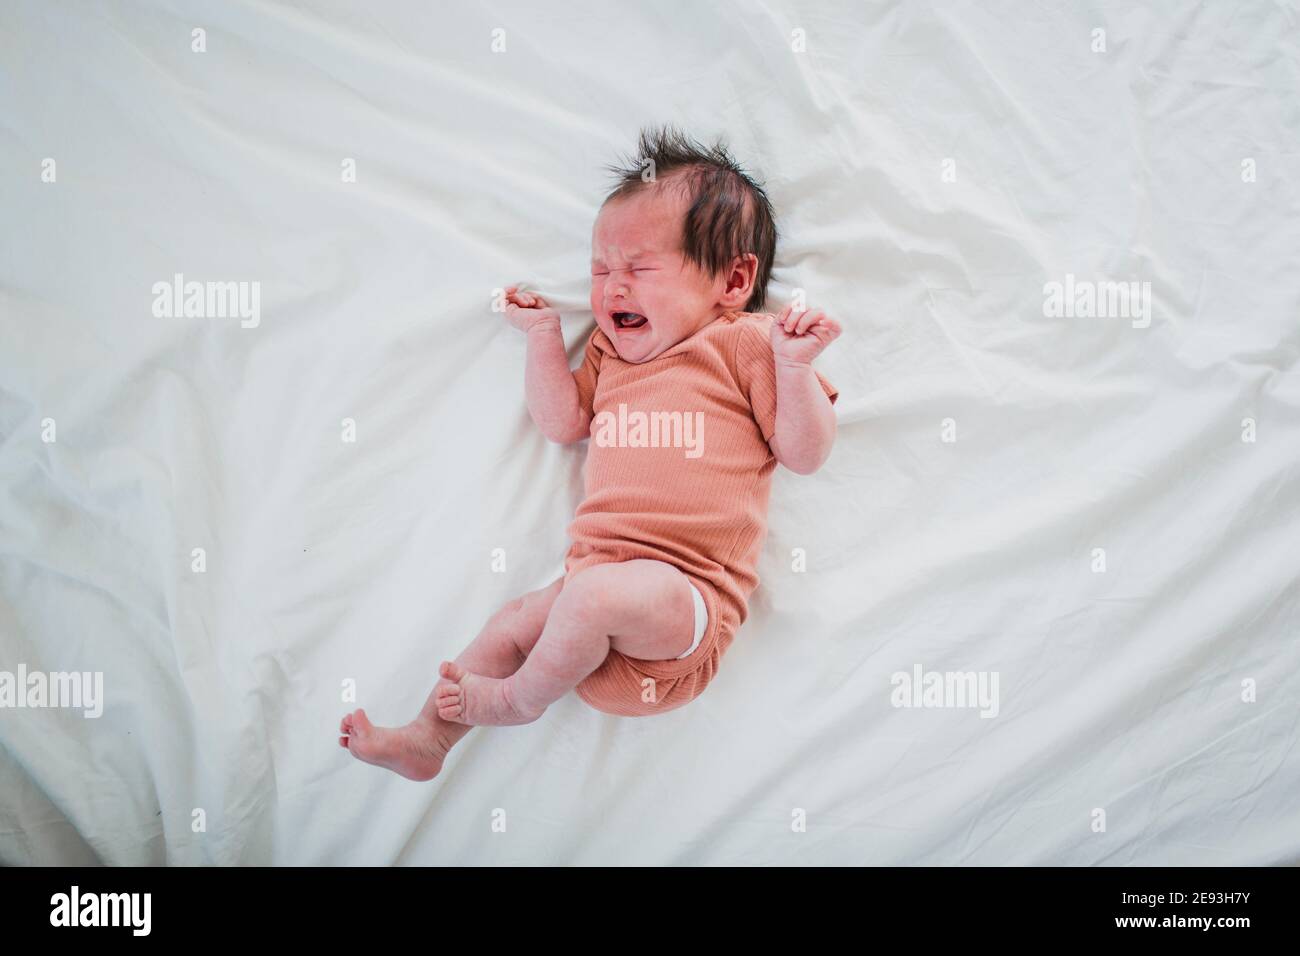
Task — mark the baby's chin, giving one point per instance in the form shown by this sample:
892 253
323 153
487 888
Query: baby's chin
634 345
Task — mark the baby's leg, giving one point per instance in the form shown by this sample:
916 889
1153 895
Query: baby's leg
418 749
642 608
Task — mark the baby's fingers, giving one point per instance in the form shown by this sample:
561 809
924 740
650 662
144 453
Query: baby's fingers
516 293
827 330
807 320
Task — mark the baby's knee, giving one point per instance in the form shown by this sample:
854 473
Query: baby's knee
526 614
589 593
510 610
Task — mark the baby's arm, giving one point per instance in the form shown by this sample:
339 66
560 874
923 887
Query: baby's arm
805 421
548 384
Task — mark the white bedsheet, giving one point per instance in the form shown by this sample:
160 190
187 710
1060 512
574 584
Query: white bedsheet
370 561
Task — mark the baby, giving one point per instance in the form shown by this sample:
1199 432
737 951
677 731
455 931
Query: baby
691 397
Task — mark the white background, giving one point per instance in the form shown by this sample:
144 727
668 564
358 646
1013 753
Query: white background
370 561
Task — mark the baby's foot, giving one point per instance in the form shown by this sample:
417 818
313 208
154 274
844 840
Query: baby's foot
415 751
475 700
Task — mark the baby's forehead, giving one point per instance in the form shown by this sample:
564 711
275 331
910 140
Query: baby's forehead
647 223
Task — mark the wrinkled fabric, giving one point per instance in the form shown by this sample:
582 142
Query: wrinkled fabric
1065 501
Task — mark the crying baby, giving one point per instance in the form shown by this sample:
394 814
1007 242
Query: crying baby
664 547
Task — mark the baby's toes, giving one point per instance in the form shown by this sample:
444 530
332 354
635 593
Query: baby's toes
449 703
360 724
451 671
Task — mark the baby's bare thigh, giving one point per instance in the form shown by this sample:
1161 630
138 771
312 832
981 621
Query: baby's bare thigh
645 607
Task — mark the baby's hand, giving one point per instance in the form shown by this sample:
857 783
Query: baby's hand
526 310
801 338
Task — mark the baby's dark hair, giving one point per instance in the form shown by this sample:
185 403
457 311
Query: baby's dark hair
729 213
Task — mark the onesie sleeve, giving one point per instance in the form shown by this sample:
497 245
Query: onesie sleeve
585 374
756 372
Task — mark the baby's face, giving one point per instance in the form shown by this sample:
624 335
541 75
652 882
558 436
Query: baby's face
645 295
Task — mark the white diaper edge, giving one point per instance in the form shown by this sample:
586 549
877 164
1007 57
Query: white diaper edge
701 619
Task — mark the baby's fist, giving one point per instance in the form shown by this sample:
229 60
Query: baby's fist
528 310
800 337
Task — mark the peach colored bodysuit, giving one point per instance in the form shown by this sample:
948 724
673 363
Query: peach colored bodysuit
698 501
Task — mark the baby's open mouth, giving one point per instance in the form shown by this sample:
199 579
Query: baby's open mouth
628 320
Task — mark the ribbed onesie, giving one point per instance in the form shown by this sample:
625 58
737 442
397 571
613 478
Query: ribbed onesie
690 489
